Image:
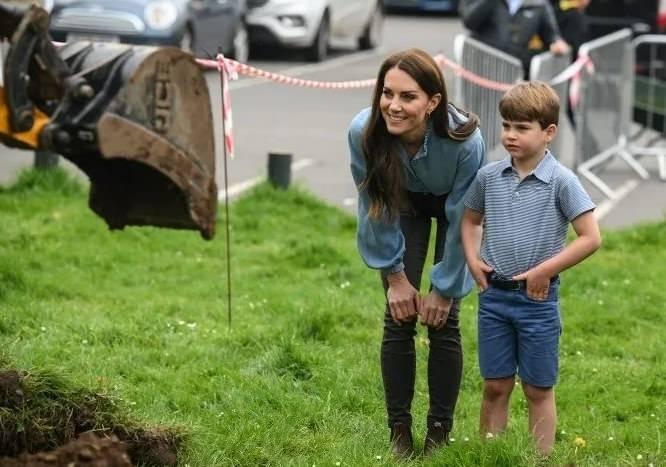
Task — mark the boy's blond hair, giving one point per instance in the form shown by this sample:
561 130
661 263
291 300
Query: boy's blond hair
531 101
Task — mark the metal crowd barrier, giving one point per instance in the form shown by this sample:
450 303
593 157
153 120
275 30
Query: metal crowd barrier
649 108
603 114
491 64
545 67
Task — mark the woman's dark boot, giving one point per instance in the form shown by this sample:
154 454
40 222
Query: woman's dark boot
402 445
436 437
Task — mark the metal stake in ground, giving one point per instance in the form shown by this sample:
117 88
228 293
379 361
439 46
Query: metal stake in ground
226 199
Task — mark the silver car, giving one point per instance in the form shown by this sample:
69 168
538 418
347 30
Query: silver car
311 24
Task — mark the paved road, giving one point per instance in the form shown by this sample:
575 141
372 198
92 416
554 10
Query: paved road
311 123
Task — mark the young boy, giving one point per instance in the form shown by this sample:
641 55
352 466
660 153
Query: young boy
521 206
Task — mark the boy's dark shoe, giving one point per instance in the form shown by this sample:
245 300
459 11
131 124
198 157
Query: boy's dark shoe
402 444
436 437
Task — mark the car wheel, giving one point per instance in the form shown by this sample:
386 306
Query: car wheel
241 45
372 37
318 51
187 41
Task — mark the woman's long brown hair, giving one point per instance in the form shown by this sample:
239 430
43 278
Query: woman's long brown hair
384 179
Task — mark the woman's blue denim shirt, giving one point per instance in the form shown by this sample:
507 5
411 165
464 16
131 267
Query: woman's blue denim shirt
442 166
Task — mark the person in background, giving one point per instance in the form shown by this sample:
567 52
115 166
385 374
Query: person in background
514 234
413 156
522 28
572 22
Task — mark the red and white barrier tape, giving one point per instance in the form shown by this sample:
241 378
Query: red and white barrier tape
247 70
230 69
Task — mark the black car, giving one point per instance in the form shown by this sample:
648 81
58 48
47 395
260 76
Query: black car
204 27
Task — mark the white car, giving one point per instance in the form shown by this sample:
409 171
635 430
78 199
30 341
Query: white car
310 24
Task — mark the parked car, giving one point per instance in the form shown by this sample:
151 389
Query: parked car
203 27
310 24
446 6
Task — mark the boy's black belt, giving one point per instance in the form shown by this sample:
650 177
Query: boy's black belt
509 284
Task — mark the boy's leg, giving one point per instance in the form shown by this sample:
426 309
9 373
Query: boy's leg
495 405
497 357
539 329
542 416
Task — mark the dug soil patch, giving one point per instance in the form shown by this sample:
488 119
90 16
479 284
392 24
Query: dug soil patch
40 414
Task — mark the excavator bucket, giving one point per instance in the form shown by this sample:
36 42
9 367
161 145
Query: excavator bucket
150 152
137 120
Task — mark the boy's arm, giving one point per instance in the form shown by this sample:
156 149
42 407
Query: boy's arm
587 242
471 231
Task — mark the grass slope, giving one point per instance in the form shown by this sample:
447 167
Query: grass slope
141 314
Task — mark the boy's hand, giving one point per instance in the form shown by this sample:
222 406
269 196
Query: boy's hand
403 299
538 283
480 270
434 310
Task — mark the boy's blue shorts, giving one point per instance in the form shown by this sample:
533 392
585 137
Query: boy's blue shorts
519 334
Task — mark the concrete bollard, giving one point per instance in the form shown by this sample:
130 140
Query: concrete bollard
279 169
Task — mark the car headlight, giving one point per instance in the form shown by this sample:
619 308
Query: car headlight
160 14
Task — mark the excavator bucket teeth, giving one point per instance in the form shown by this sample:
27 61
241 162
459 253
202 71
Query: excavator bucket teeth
154 162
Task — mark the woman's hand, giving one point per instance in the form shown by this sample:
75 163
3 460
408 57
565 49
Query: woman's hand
403 299
434 310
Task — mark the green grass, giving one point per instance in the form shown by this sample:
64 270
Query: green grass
141 315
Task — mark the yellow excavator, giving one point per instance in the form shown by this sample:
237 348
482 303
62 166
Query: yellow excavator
136 120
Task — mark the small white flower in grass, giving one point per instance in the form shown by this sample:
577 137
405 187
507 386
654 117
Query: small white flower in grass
191 325
43 328
337 463
601 302
84 341
489 435
181 322
345 284
604 283
452 440
579 353
466 438
610 438
594 370
563 432
652 415
378 458
650 464
639 457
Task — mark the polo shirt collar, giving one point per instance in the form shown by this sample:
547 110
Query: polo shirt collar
543 171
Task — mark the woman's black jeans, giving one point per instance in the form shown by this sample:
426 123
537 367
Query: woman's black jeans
398 356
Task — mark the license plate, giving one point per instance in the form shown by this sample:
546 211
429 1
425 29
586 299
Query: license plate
76 37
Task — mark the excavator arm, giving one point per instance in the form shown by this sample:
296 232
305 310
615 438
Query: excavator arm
136 120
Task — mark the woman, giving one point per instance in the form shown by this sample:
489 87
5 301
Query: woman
413 155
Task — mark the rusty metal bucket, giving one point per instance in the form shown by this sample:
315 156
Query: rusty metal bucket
138 122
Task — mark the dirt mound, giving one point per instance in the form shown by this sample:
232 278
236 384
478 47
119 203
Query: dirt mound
86 451
40 413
